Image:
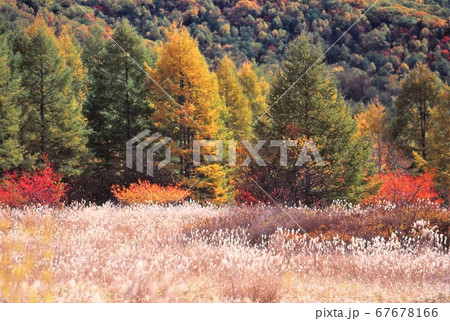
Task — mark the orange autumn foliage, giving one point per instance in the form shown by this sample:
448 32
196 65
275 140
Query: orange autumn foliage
144 192
404 189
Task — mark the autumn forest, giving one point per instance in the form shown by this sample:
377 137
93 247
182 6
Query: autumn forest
358 88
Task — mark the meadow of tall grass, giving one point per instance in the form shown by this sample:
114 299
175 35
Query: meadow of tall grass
194 253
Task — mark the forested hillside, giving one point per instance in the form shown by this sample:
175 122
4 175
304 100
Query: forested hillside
225 151
369 87
369 60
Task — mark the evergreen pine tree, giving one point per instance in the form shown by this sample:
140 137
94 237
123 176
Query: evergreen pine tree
438 143
98 96
11 149
419 92
313 109
53 121
117 106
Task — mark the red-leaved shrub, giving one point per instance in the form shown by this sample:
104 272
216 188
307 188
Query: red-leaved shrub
244 196
145 192
404 189
42 187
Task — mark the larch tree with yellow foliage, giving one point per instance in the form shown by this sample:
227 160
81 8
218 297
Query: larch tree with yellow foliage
237 104
374 122
255 89
71 52
187 106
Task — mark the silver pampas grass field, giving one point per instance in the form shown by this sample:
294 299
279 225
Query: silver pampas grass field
194 253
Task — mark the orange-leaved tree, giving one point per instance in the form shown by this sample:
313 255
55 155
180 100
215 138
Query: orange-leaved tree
145 192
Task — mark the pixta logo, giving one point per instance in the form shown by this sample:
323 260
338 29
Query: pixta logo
153 143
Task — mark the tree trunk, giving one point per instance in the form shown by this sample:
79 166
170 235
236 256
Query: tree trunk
127 102
42 111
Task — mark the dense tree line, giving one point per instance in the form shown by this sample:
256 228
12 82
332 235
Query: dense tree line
78 102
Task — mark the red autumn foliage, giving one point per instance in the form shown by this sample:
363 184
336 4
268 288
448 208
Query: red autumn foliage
244 196
98 7
404 189
42 187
